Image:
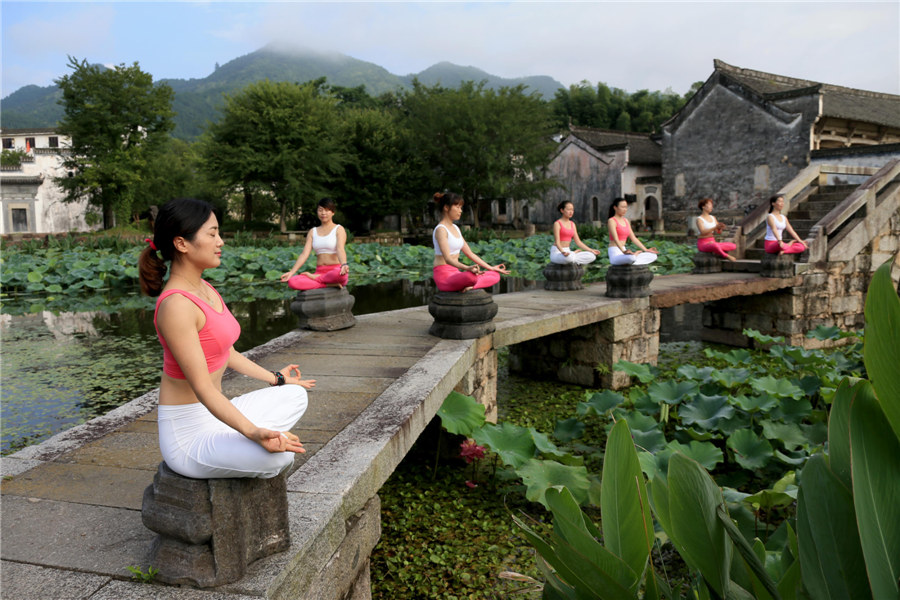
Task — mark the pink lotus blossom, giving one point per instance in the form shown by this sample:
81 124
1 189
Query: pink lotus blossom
471 451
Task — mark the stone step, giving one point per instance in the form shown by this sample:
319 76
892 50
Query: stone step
814 212
755 254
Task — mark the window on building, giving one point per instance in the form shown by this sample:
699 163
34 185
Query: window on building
8 143
19 219
29 143
501 206
53 142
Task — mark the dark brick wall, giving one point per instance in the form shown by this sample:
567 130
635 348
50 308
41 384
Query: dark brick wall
721 138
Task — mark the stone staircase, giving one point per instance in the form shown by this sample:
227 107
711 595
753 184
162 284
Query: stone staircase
806 215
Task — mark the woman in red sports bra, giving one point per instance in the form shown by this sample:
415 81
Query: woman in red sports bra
564 233
619 232
203 434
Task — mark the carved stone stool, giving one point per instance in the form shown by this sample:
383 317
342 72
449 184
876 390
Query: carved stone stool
462 316
324 309
210 530
628 281
561 278
706 262
773 265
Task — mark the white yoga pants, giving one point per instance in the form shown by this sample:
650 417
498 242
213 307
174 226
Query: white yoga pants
617 257
196 444
578 257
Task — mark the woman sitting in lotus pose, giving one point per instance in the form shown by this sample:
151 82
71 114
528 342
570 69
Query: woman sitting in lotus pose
620 231
450 275
708 226
776 225
564 233
203 434
328 241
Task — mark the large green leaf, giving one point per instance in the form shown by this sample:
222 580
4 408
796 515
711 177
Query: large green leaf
705 453
541 475
750 450
645 373
695 528
706 411
790 435
671 392
461 414
875 459
755 563
882 346
831 558
776 387
513 444
626 522
839 433
600 403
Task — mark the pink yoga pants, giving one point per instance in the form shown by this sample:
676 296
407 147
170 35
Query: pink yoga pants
327 274
772 247
711 245
451 279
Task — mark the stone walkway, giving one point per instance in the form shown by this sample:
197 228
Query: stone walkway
71 522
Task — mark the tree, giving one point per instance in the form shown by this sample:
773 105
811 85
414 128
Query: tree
282 138
484 144
118 121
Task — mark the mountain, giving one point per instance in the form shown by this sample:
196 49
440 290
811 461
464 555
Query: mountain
199 100
450 75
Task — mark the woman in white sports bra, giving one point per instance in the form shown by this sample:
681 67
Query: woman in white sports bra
708 225
776 225
327 241
450 275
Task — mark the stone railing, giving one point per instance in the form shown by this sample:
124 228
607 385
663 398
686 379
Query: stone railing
798 190
843 232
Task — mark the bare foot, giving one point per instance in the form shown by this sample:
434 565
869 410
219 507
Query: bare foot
312 276
731 258
466 289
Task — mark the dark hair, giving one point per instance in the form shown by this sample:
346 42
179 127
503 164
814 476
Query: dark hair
702 202
773 200
182 217
612 207
328 203
562 205
447 199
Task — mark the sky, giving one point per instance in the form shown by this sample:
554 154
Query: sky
628 45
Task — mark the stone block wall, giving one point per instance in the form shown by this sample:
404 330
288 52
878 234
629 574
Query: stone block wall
586 355
480 381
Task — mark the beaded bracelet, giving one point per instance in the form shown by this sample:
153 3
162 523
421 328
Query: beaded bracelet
279 378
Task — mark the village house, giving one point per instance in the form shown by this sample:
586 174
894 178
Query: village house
30 201
744 134
595 166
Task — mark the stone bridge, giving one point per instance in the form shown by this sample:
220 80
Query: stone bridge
71 522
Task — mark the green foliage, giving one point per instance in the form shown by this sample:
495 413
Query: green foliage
460 415
117 120
11 158
583 104
138 574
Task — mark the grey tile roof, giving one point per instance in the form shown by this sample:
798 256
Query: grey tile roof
641 149
837 101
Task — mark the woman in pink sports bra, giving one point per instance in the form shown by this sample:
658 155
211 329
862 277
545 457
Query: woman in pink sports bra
328 241
708 226
619 232
564 233
203 434
450 275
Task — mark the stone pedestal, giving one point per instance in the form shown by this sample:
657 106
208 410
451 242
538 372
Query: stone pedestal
462 316
561 278
628 281
210 530
706 262
774 265
324 309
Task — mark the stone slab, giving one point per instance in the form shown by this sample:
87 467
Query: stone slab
29 582
332 411
672 290
80 537
87 484
124 590
119 449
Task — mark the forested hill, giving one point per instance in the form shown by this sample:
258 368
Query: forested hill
198 100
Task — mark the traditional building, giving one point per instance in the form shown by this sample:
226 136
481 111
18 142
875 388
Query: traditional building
745 133
594 166
30 201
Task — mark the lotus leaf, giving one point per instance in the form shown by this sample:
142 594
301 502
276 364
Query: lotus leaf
600 403
540 475
702 375
645 373
671 392
568 429
763 338
513 444
704 453
706 411
761 403
750 451
776 387
461 414
789 434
